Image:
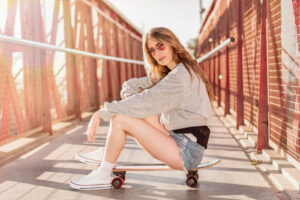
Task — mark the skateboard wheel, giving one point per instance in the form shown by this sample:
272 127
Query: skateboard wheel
191 181
117 182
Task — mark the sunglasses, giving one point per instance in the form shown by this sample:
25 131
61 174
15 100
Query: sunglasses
158 47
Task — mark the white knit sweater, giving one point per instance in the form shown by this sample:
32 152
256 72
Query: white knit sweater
179 102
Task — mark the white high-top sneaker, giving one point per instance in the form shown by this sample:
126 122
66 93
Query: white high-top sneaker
93 157
93 181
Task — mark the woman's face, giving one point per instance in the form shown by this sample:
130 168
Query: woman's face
160 51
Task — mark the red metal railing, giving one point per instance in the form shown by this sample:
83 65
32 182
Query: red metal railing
39 87
261 85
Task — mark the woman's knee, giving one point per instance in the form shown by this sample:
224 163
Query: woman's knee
117 121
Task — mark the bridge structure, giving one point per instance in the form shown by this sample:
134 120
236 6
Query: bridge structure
60 60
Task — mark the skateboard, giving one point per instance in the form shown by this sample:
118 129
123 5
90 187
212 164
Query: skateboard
191 177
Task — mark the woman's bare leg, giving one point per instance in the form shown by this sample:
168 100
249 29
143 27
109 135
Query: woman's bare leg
153 140
154 121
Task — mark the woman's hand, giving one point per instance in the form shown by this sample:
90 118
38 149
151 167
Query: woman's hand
140 89
93 126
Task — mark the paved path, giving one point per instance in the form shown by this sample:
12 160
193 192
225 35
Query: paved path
45 172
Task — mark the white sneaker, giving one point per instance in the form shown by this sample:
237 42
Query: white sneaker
93 181
93 157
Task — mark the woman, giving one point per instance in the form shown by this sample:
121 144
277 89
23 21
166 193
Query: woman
181 99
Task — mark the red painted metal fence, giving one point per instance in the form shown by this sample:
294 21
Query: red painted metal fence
41 87
261 70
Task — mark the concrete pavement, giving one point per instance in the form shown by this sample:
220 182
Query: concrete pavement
44 173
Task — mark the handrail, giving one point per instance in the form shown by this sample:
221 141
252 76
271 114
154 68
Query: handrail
30 43
227 42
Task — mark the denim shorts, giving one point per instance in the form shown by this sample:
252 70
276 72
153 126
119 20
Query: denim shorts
190 151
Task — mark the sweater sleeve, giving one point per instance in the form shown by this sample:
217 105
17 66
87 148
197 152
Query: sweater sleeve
164 96
131 86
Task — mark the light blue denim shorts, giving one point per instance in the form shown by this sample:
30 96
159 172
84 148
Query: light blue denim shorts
190 151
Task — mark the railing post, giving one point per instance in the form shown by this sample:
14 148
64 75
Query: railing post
50 62
209 69
219 73
121 53
91 48
132 54
105 87
115 65
214 67
262 139
38 33
128 50
72 74
8 91
239 93
227 84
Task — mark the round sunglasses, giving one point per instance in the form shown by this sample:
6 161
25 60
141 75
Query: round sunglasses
158 47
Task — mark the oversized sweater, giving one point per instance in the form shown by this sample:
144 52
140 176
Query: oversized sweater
131 86
180 102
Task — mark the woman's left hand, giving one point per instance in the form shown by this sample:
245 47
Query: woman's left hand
93 126
140 90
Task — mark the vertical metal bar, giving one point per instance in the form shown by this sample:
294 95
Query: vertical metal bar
124 36
227 84
115 81
239 93
214 68
219 73
108 63
82 61
50 61
142 70
112 69
5 66
297 122
297 119
134 56
262 139
209 69
121 53
93 62
72 77
14 97
116 66
26 27
40 56
128 50
104 77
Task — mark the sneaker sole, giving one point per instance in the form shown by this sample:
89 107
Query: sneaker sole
85 160
94 187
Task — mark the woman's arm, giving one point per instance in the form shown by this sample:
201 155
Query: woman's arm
164 96
132 86
93 126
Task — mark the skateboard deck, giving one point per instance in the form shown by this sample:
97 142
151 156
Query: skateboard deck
159 167
191 180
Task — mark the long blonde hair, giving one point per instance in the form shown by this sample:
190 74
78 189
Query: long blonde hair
180 55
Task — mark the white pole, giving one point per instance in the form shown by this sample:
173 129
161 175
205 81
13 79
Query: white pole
215 50
18 41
